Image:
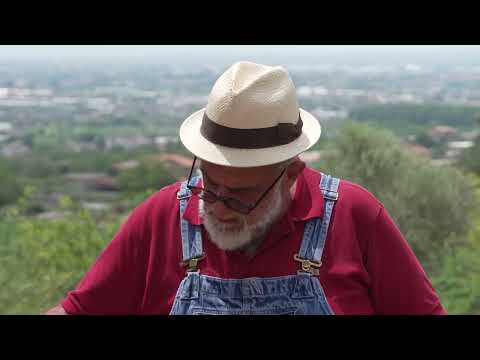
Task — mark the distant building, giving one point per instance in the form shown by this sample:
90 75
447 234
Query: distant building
407 98
129 142
19 92
177 160
64 100
125 165
14 149
177 165
97 181
461 145
471 135
306 91
323 114
419 150
413 68
96 206
18 102
453 154
161 142
101 105
378 98
42 92
82 146
350 92
441 162
5 128
83 177
50 215
119 91
106 183
443 133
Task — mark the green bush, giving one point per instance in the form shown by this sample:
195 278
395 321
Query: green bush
416 117
10 188
471 158
145 177
434 207
44 259
431 205
458 278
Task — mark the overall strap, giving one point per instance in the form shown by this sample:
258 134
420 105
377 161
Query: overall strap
315 232
192 249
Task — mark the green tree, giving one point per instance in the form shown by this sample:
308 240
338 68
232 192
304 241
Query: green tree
458 276
436 208
44 259
431 205
425 139
471 158
145 177
10 188
477 118
407 118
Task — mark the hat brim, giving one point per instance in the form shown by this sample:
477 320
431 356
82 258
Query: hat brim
193 140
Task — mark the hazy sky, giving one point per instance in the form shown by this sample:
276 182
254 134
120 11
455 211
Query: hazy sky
295 53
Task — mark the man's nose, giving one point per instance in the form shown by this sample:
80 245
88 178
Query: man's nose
219 209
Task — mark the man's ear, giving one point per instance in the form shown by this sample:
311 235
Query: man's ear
294 170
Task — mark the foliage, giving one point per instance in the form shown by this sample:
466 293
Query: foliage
145 176
409 118
43 259
458 277
430 204
10 188
471 158
434 207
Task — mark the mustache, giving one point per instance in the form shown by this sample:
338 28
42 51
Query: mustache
204 211
237 226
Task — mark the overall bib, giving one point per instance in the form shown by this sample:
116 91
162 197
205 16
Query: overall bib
298 294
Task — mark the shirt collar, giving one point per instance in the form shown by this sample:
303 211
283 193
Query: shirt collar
308 200
192 214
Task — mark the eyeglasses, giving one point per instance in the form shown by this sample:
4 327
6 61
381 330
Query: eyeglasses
231 203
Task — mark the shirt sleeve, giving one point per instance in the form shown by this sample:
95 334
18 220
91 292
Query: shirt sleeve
399 283
115 282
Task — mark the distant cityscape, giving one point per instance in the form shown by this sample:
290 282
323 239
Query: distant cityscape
155 99
96 107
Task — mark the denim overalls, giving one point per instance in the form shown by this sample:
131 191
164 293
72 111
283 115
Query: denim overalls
299 294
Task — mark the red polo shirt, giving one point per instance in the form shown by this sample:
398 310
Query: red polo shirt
368 267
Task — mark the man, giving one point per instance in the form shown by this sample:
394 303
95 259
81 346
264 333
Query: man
256 232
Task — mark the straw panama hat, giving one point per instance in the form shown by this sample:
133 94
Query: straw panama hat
252 118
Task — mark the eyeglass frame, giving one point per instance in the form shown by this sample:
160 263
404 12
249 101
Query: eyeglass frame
224 199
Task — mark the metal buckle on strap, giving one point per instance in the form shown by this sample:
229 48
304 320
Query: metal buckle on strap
308 266
192 264
330 195
184 195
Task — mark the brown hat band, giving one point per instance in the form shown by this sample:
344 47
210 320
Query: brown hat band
281 134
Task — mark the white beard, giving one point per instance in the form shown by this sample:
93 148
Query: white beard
228 237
